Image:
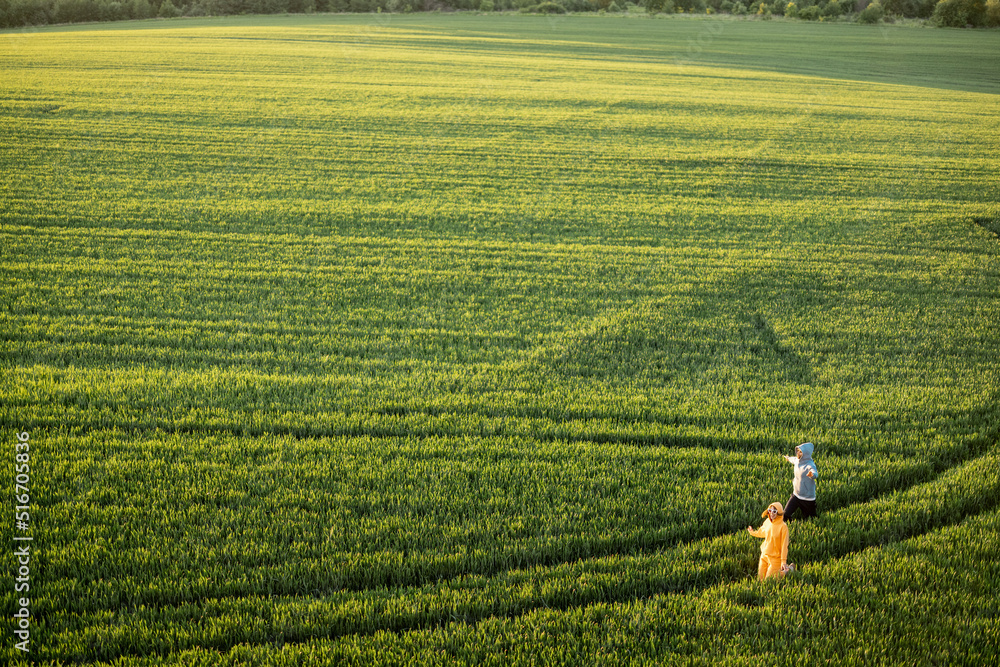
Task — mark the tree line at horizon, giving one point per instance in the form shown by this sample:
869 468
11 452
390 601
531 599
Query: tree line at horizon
945 13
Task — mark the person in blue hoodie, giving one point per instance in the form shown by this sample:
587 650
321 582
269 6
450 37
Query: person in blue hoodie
804 485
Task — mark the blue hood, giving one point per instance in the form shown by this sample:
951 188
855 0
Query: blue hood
807 450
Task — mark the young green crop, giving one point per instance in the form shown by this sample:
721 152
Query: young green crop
326 330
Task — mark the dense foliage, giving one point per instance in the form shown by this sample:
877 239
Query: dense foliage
951 13
451 340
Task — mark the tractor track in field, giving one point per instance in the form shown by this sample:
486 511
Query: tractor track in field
572 573
447 617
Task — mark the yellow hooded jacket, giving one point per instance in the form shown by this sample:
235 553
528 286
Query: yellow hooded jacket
775 534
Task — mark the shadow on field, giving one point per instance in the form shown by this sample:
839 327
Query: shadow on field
991 225
709 339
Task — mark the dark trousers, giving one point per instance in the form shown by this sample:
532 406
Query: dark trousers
808 507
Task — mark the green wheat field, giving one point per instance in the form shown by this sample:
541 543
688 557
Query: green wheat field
454 339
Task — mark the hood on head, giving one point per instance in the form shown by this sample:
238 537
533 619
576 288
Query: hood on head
807 450
777 506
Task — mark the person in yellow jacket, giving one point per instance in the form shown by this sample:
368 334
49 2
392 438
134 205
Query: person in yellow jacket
774 550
